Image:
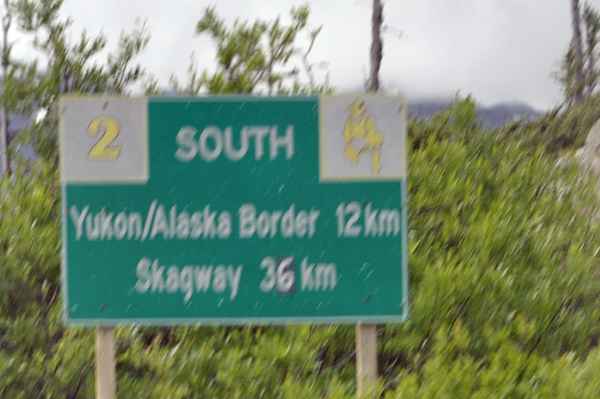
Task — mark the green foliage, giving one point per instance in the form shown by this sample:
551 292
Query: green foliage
458 122
253 57
591 19
566 75
36 354
462 113
558 131
503 270
503 256
38 357
71 68
504 288
272 362
578 73
504 291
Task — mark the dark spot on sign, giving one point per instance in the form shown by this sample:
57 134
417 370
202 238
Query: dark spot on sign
105 106
367 300
102 308
364 204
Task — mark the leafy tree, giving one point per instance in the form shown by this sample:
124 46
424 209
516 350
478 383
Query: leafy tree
8 67
6 22
560 131
71 68
577 71
567 76
255 57
591 19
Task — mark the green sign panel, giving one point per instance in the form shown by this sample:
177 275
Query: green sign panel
233 210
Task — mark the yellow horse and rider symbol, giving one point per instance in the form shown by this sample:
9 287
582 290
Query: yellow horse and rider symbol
362 138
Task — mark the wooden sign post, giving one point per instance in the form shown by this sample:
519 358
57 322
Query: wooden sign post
105 363
366 357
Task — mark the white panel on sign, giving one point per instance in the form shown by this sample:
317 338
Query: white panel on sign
104 139
362 138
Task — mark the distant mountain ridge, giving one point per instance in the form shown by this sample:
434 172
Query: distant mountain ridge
493 116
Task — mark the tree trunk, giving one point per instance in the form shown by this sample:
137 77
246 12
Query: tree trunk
591 20
577 44
376 46
591 63
4 163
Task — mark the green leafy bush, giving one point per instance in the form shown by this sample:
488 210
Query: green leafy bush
504 294
557 131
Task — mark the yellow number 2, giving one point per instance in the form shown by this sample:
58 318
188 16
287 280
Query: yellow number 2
101 149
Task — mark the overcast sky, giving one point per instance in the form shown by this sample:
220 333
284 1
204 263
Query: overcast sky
497 50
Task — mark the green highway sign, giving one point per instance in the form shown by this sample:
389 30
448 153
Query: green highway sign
233 210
